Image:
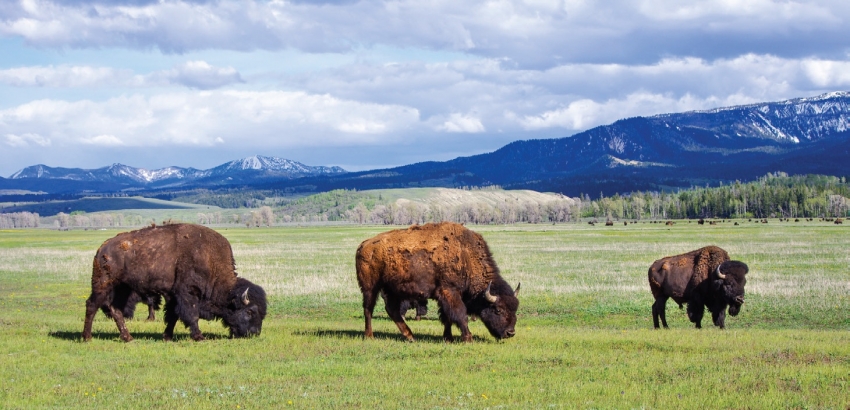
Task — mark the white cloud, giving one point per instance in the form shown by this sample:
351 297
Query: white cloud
460 123
827 74
391 74
24 140
63 76
103 140
530 33
209 118
191 74
197 74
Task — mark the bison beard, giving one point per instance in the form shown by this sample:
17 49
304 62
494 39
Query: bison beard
445 262
191 266
704 278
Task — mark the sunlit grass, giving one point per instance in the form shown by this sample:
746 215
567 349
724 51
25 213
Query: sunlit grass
584 336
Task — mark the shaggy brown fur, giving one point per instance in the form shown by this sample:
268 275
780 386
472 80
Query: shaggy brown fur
445 262
686 279
190 265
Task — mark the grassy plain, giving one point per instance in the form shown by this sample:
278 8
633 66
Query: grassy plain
584 336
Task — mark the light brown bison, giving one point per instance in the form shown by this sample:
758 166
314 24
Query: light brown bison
445 262
190 265
704 278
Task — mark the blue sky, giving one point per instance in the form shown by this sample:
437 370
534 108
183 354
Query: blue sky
373 84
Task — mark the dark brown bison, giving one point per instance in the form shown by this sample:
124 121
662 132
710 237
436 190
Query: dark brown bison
190 265
704 278
445 262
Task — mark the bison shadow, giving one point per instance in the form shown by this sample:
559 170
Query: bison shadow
114 336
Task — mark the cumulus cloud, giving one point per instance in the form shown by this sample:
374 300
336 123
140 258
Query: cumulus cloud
405 76
191 74
459 123
574 96
207 119
530 33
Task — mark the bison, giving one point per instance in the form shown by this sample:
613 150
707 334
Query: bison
446 262
191 266
704 278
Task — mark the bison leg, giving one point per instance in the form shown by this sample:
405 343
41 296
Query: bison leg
696 309
118 316
92 304
370 297
719 317
659 309
170 319
151 314
452 310
393 308
188 313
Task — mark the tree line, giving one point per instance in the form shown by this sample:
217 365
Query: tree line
771 196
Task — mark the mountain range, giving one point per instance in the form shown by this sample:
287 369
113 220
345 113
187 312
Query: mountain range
120 177
798 136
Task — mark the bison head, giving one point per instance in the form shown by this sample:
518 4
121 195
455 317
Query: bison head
499 310
246 309
729 281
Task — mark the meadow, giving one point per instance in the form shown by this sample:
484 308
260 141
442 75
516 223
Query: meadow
584 332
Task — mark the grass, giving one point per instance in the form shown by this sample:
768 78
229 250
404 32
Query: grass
584 337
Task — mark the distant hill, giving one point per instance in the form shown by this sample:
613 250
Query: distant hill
662 152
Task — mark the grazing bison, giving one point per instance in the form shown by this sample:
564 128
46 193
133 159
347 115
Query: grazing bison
190 265
704 278
445 262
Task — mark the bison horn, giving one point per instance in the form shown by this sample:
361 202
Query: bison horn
719 274
516 291
245 297
488 295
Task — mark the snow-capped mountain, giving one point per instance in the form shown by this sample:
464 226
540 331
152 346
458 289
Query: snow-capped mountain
662 152
246 169
272 165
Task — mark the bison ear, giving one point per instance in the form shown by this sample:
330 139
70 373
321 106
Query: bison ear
245 299
516 291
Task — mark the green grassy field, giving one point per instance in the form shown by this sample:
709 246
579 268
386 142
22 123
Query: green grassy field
584 333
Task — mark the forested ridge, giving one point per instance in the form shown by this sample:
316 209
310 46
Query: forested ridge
771 196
